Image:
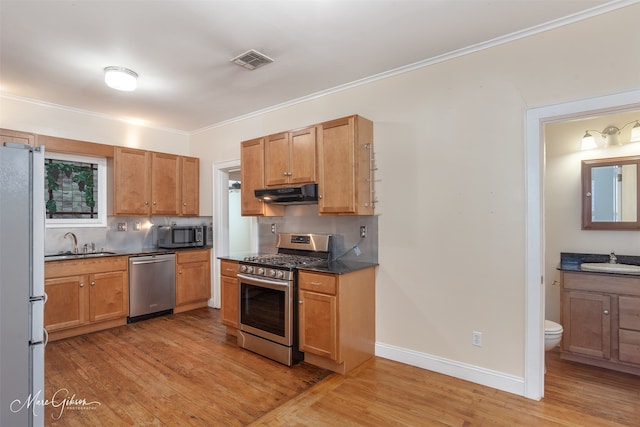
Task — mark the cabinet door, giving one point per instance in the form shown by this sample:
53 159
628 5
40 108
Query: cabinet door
108 297
229 295
318 324
9 135
336 155
251 175
164 184
66 304
190 186
276 159
192 283
132 182
302 161
587 323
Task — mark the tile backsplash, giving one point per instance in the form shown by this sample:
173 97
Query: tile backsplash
110 239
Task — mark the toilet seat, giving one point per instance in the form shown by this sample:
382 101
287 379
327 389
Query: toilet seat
552 328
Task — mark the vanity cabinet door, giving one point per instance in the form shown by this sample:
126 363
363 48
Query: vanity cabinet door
587 323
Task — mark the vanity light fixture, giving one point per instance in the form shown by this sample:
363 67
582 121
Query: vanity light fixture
121 78
611 136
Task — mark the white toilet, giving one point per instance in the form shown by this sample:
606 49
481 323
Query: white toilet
552 334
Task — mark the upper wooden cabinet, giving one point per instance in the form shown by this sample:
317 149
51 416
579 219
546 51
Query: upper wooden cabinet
345 157
290 157
150 183
9 135
190 186
252 178
337 155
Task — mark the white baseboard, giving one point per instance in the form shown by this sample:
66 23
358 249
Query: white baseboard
482 376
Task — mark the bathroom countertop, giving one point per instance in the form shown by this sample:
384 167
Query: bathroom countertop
570 261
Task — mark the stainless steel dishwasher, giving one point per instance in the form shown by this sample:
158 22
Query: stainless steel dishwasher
152 286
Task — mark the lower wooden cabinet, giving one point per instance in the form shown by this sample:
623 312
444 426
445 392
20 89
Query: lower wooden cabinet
85 295
229 295
193 279
601 320
337 318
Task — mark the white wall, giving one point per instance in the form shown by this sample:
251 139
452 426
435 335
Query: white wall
48 120
563 202
450 147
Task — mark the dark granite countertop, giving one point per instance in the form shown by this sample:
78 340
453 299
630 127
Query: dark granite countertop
570 261
125 252
333 267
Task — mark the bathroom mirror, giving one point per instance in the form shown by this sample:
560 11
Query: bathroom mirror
610 194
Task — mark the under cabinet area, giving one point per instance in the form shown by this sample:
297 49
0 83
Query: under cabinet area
601 320
337 318
193 279
229 295
85 296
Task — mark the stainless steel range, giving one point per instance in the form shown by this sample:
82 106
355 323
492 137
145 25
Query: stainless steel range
268 292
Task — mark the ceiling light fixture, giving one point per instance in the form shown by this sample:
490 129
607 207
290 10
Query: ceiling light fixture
251 59
611 136
121 78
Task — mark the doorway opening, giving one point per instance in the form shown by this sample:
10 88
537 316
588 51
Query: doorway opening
234 234
536 119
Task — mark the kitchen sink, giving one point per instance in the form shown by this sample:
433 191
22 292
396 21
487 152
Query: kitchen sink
70 255
606 267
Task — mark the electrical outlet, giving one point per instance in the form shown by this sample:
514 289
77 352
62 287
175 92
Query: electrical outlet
122 226
476 338
273 228
136 226
363 231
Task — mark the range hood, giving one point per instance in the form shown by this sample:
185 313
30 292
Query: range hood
301 194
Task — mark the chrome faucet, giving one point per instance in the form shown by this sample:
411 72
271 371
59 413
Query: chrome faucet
75 241
612 258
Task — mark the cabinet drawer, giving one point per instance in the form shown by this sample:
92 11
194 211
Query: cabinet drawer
629 346
85 266
317 282
629 308
598 282
228 268
192 256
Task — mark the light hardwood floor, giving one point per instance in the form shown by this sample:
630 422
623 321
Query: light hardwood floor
183 370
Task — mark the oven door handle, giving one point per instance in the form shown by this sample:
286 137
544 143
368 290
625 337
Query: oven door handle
268 282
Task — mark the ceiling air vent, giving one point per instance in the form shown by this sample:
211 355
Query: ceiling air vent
252 59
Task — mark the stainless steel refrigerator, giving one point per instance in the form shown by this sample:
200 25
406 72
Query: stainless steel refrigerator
22 297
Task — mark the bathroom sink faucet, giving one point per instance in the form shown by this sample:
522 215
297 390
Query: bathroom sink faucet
612 258
75 241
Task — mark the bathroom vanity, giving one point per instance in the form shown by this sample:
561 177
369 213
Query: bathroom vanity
601 319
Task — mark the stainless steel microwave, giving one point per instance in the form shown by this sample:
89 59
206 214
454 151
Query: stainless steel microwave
181 236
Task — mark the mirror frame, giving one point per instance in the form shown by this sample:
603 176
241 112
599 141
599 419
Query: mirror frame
587 165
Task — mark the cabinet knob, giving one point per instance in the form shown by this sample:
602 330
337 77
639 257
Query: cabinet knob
319 196
93 283
184 204
180 272
300 302
155 203
82 285
285 174
606 312
146 203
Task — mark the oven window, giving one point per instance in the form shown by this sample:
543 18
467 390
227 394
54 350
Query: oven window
263 308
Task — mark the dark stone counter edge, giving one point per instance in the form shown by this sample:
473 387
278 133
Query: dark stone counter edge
333 267
140 252
570 261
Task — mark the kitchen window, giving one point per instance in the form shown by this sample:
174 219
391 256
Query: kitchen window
75 190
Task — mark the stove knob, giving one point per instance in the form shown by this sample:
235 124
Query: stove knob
249 269
243 268
279 274
261 271
272 273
